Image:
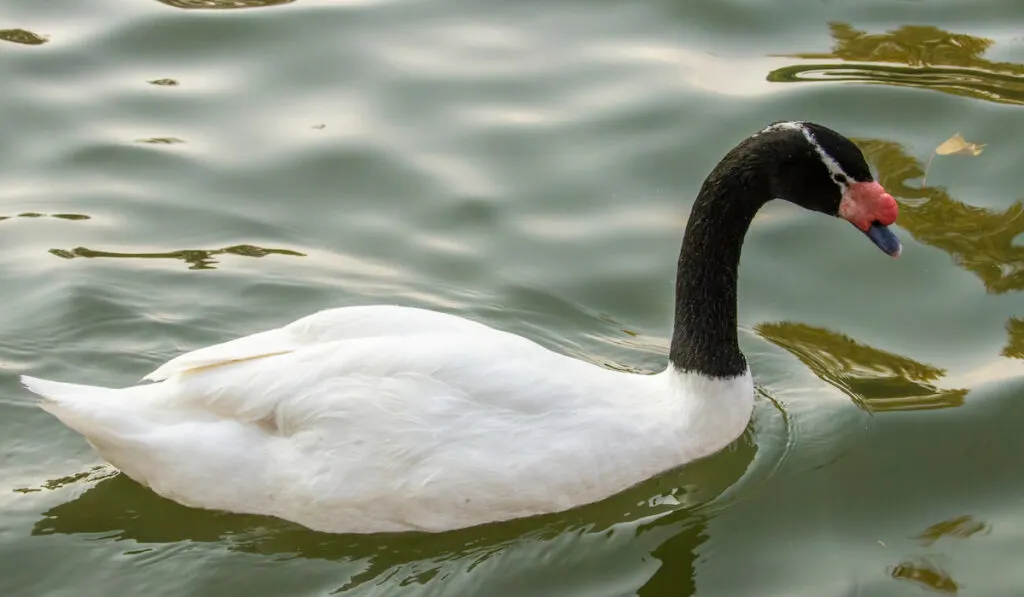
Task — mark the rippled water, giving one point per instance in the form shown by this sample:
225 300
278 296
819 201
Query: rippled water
177 173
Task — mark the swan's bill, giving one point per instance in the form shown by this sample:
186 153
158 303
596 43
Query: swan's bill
867 206
884 239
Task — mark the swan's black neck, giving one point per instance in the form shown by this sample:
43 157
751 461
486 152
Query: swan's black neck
704 339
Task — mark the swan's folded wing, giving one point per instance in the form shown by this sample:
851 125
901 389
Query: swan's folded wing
325 326
413 382
263 344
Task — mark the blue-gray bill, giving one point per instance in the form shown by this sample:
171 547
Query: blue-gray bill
884 239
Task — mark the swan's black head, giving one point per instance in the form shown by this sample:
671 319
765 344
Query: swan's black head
821 170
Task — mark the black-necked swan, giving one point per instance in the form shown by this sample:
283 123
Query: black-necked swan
384 418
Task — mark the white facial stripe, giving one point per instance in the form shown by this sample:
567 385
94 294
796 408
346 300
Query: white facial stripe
834 169
793 125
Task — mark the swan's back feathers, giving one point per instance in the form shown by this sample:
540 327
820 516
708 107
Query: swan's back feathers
343 323
355 378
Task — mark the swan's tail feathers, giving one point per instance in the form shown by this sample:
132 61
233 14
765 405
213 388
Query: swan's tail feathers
58 391
102 415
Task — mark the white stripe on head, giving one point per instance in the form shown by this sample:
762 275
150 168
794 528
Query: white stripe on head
836 171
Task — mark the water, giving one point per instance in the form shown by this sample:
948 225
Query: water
174 175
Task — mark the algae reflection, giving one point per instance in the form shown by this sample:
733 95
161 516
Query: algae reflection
980 240
876 380
911 56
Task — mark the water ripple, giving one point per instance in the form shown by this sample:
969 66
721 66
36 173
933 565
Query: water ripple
530 166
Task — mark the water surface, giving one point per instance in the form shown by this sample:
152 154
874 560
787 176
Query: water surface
181 172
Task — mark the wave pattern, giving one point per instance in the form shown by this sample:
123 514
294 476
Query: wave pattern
181 172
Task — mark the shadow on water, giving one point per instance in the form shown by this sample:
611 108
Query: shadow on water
663 515
196 258
979 240
928 57
874 379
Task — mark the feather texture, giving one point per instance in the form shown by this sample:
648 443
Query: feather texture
368 419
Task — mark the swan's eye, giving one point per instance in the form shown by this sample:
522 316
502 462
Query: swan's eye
840 179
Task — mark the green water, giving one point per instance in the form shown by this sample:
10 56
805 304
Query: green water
174 175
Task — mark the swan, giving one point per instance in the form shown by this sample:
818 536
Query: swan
383 418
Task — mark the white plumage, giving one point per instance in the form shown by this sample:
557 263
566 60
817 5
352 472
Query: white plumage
384 418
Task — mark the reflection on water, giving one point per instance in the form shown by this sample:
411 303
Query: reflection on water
876 380
934 59
960 527
662 514
164 82
680 548
223 3
64 481
927 574
33 214
1015 341
196 258
979 240
161 140
21 36
923 570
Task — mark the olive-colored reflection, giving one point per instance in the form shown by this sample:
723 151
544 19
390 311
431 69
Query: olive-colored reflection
118 509
161 140
678 555
196 258
933 58
979 240
876 380
927 574
960 527
1015 344
164 82
223 4
21 36
32 214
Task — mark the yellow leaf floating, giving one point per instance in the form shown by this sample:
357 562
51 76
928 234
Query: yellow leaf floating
957 145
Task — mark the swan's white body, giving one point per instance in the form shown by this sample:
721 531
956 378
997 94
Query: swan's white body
381 418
